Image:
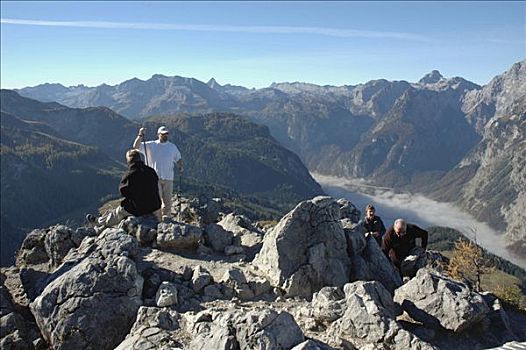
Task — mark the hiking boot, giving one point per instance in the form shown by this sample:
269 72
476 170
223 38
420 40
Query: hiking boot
90 220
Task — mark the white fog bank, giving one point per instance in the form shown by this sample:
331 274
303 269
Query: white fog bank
418 209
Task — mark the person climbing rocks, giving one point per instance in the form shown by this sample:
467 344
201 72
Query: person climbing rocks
399 245
373 224
139 187
161 155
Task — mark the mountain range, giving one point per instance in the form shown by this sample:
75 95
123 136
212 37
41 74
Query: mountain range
59 161
446 137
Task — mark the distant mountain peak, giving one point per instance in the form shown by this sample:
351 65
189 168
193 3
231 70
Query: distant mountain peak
158 76
431 78
212 83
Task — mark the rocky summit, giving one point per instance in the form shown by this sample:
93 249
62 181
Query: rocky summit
217 280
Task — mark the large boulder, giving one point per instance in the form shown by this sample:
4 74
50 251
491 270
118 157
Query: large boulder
92 299
373 265
369 312
238 329
306 250
438 301
33 249
174 235
363 314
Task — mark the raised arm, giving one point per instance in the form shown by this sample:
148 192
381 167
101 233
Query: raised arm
139 138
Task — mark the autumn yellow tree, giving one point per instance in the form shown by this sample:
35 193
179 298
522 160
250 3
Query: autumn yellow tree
468 263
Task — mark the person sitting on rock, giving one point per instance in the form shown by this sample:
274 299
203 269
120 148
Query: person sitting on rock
399 245
139 186
373 224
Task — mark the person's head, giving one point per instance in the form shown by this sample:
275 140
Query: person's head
400 227
133 156
369 211
163 133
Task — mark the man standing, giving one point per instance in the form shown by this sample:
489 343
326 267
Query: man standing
399 245
373 224
139 187
161 155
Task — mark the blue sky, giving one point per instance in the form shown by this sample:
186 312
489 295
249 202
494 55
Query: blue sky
256 43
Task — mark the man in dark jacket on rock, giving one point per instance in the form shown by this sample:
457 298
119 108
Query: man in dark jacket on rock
399 245
373 224
140 190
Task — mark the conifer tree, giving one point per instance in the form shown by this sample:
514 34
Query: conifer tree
468 263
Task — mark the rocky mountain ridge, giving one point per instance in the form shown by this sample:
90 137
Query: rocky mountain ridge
216 280
388 132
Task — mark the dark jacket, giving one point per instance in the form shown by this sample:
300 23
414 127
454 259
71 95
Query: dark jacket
397 248
374 225
140 189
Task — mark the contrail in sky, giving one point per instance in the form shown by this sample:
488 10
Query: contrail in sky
333 32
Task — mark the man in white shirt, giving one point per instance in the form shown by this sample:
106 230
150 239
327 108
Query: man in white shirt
161 155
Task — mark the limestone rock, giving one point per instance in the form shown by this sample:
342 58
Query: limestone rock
235 279
306 250
438 301
33 249
236 223
144 228
173 235
369 317
80 233
154 328
328 304
166 295
375 266
355 236
13 331
94 302
311 345
369 312
236 329
200 278
349 210
58 242
246 234
217 237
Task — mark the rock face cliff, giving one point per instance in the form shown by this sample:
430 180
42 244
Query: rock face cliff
490 180
393 133
217 280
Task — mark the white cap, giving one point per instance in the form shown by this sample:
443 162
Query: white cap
162 130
